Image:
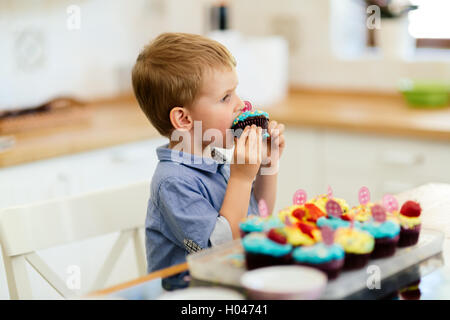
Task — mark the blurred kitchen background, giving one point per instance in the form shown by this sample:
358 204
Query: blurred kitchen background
362 86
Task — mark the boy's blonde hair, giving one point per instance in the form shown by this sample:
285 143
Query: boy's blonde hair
169 73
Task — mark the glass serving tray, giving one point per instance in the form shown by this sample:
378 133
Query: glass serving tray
225 264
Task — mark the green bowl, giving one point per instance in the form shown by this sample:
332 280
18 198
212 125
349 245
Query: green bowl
425 94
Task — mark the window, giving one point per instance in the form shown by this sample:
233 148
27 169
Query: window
429 24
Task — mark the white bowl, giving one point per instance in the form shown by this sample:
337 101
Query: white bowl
202 293
284 283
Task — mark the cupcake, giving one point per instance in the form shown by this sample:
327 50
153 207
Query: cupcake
312 212
325 256
289 212
410 223
411 292
360 213
334 217
301 234
390 203
335 223
357 244
248 117
264 251
321 200
307 212
255 223
385 232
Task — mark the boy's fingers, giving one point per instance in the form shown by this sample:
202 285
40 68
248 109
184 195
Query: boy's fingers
252 145
244 136
260 142
272 125
240 146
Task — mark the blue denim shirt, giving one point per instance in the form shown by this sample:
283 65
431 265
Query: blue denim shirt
186 194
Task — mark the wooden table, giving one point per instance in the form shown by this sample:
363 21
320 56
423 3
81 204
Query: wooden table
434 199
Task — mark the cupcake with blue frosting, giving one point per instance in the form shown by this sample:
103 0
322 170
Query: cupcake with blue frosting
264 251
327 258
334 218
335 223
385 232
248 117
254 223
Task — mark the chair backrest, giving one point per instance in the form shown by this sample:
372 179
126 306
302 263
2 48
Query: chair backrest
27 229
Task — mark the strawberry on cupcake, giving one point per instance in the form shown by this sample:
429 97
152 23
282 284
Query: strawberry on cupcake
410 223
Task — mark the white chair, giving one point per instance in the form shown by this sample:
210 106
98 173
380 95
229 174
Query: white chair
27 229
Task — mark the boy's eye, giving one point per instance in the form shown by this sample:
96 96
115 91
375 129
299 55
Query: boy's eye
225 98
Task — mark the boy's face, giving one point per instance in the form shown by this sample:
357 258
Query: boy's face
217 105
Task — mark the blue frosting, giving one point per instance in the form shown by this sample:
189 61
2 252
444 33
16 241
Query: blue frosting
318 253
260 244
249 114
335 223
254 224
387 229
258 224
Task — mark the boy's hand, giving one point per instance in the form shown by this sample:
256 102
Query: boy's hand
273 149
247 154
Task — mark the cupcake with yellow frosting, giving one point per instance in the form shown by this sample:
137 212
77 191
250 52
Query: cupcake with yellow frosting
320 201
361 213
357 244
410 223
297 238
307 212
299 233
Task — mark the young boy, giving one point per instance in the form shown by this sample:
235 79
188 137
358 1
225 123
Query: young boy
185 84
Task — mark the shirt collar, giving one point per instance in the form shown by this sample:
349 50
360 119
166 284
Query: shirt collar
187 159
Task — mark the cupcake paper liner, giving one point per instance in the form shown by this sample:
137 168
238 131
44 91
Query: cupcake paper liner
254 260
384 247
409 237
354 261
332 268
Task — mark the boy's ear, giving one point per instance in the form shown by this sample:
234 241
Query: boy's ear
181 118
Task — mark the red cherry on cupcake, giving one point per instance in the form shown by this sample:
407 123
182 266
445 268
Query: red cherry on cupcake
277 235
346 218
411 209
306 228
299 213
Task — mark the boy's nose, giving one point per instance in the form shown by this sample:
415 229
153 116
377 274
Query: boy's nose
240 104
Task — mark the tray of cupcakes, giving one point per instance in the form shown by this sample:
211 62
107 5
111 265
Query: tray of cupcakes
348 245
